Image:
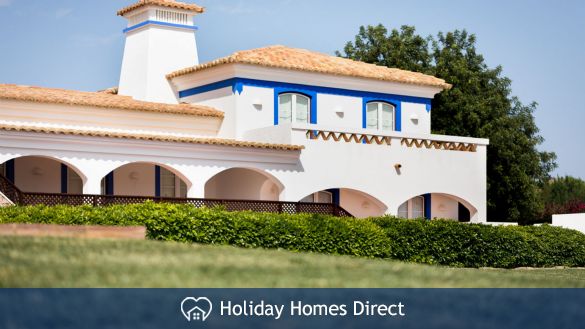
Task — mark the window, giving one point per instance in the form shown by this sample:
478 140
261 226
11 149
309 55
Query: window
319 197
413 208
171 186
3 169
74 182
293 108
380 116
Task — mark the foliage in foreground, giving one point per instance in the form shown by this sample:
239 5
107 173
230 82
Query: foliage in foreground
563 195
431 242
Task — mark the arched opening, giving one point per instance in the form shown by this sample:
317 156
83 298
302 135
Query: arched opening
40 174
437 206
357 203
145 179
243 184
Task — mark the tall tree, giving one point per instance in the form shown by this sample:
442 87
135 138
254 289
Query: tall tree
479 105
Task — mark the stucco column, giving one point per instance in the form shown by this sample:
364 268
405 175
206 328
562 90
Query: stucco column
92 185
198 176
196 191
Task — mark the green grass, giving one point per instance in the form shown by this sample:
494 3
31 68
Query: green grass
59 262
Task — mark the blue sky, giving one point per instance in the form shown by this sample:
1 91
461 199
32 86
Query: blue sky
541 44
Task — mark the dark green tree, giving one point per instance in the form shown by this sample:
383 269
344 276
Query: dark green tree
480 104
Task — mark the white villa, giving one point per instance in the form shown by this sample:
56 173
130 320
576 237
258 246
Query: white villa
274 123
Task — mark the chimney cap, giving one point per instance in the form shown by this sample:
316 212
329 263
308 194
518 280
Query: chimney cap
163 3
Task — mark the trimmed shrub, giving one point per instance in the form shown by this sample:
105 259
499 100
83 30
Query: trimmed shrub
432 242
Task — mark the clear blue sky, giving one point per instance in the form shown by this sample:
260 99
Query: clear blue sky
541 44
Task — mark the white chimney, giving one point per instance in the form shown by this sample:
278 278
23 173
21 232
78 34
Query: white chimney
160 39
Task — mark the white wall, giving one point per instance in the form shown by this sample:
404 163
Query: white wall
36 174
150 53
135 179
415 118
572 221
224 100
250 116
350 109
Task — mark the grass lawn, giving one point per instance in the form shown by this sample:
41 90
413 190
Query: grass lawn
60 262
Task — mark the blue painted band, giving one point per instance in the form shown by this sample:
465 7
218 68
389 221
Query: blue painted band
149 22
237 85
110 183
157 181
64 178
235 82
10 170
336 195
428 204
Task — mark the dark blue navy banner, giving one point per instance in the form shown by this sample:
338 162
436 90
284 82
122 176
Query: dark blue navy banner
292 308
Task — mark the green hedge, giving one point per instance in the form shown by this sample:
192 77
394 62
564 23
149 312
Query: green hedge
431 242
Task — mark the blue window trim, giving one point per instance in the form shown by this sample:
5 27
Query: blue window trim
428 204
308 93
157 181
335 194
10 170
64 176
110 183
390 100
151 22
237 85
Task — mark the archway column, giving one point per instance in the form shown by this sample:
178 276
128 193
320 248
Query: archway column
92 185
198 176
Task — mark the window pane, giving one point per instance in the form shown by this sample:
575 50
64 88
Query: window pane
182 189
403 210
284 108
302 109
325 197
418 207
167 183
387 117
2 169
372 116
74 182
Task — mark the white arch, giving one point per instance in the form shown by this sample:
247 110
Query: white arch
357 202
264 188
80 173
473 211
154 163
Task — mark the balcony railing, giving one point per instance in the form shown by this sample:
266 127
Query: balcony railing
428 141
28 198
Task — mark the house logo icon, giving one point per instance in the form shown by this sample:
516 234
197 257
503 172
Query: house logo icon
196 309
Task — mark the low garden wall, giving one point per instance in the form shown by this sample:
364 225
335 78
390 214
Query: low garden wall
571 221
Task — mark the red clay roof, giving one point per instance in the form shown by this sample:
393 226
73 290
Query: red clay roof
162 3
99 100
148 137
310 61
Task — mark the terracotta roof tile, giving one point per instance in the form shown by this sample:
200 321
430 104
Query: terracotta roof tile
162 3
310 61
148 137
99 100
